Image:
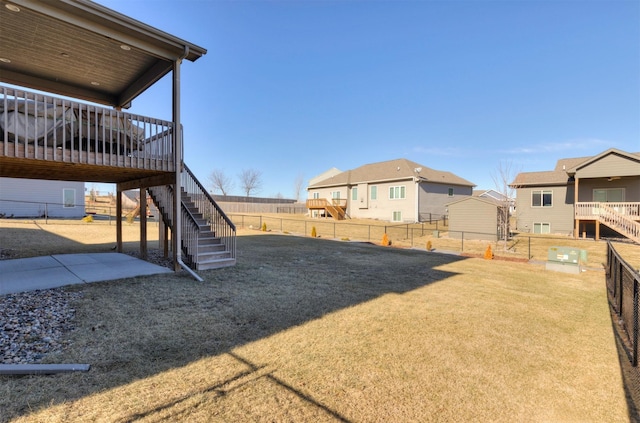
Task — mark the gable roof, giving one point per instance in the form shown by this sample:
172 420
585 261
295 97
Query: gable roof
392 170
81 49
612 151
565 168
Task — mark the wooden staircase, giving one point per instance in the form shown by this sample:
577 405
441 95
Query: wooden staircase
208 235
619 222
336 208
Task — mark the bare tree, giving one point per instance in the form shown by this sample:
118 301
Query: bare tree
220 181
251 181
297 186
502 178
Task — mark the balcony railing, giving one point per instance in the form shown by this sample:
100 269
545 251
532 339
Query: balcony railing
38 126
595 210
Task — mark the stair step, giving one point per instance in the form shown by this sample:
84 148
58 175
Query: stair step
210 248
216 264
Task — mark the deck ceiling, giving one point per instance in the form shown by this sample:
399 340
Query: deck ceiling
80 49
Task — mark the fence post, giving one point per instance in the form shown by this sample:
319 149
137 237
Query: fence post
634 335
369 233
334 229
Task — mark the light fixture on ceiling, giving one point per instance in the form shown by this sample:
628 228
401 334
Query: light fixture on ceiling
12 7
613 178
65 55
125 47
5 60
94 83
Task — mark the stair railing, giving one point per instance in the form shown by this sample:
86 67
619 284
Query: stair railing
220 223
620 222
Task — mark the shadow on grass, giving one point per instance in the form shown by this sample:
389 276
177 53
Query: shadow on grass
136 328
29 242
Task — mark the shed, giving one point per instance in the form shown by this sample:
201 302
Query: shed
477 217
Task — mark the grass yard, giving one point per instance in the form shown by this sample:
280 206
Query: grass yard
316 330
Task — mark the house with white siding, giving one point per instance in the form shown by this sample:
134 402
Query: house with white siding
396 190
584 195
41 198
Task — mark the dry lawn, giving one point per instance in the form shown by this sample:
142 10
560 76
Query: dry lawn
315 330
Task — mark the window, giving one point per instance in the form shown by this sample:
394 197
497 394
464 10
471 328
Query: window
608 195
335 195
450 192
316 195
541 198
396 193
354 193
541 228
397 216
374 192
68 197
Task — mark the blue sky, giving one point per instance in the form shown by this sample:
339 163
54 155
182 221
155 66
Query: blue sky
293 88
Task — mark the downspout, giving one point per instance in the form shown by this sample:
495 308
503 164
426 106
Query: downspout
177 221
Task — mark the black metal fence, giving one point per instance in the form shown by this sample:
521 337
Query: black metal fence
623 284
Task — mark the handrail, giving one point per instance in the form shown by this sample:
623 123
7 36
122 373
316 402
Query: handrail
211 200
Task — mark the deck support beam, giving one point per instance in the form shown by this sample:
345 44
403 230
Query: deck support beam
176 231
118 218
143 223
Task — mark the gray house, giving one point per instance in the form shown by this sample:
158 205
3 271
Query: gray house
397 190
41 198
477 218
584 195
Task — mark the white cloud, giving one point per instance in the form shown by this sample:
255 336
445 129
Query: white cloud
572 146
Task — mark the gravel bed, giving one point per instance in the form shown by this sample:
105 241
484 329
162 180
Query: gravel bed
32 324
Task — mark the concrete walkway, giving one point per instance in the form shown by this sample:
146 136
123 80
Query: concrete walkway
29 274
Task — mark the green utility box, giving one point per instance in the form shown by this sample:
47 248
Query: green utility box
565 259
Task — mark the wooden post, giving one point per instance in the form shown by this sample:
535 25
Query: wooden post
576 234
597 230
143 223
118 218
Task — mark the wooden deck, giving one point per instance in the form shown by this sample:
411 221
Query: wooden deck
45 137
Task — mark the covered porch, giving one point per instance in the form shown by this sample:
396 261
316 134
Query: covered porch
607 192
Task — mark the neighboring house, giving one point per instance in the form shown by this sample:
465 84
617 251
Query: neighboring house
580 195
396 190
477 218
40 198
498 196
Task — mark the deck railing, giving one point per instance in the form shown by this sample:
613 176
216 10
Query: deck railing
39 126
594 210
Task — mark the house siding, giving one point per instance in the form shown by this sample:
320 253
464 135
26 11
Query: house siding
382 207
476 218
610 165
34 198
559 215
433 198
